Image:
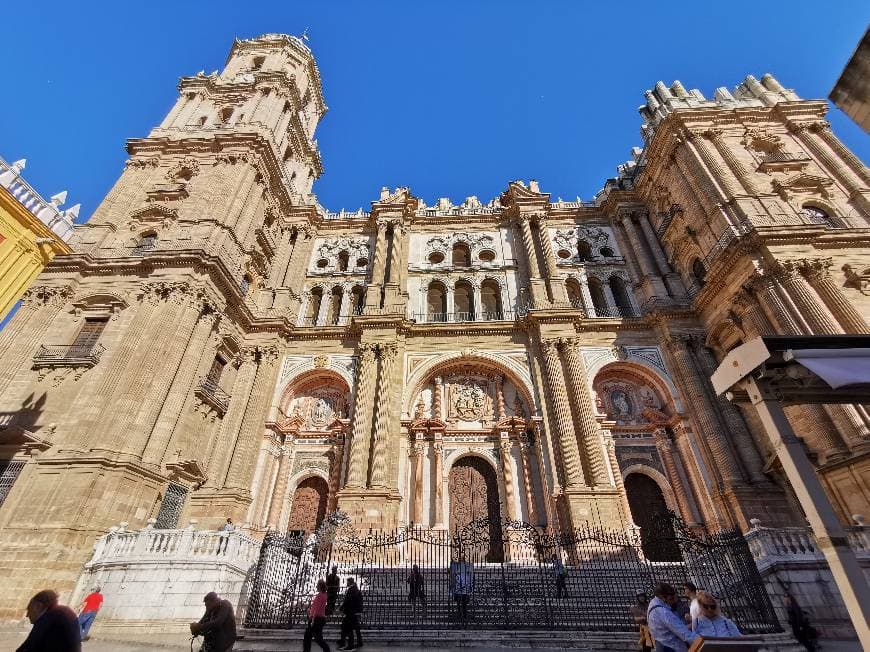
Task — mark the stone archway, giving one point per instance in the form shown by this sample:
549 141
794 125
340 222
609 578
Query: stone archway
473 489
309 505
647 504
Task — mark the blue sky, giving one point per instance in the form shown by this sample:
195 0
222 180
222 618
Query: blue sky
449 98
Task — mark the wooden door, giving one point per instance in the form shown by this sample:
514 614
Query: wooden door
309 505
473 490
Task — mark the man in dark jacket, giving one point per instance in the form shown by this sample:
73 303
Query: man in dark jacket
217 626
55 627
333 586
352 607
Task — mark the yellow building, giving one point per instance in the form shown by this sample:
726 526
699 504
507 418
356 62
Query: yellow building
32 232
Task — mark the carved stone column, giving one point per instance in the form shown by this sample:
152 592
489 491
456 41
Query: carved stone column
251 429
653 282
564 434
362 417
232 421
585 423
588 304
336 465
282 259
610 447
696 395
808 134
745 178
437 392
819 277
531 504
666 450
184 380
499 399
808 305
764 287
701 491
416 454
277 502
379 266
531 259
438 448
557 287
717 174
389 352
740 435
294 276
823 131
510 498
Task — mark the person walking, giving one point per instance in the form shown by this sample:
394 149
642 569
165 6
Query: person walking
352 608
316 620
638 613
88 611
55 626
561 577
667 628
333 586
217 626
416 587
711 622
800 625
224 541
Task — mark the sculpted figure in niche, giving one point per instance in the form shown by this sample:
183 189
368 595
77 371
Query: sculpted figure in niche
621 404
321 412
518 407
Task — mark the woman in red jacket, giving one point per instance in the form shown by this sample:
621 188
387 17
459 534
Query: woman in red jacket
316 620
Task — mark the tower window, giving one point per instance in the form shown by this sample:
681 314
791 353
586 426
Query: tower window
698 271
217 369
202 120
9 470
257 63
245 285
817 215
607 252
88 335
171 506
584 251
225 114
461 255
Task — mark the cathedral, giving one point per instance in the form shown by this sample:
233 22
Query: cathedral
219 345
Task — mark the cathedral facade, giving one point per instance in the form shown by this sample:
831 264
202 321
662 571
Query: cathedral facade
219 345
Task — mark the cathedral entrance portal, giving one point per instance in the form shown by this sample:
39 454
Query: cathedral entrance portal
647 503
309 505
473 490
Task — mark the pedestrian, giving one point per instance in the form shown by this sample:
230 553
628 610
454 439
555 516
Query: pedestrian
224 541
352 608
561 577
416 587
638 613
88 611
217 626
462 583
333 586
690 591
316 620
667 628
711 622
55 626
800 625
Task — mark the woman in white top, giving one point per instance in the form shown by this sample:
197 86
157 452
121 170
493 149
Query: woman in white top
711 622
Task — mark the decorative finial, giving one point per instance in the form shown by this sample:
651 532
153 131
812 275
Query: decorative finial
305 36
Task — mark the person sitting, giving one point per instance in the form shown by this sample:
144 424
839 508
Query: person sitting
711 622
55 627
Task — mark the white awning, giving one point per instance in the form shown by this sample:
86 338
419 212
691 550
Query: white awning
837 367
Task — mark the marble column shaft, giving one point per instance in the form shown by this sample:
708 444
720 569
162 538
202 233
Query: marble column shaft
508 476
717 174
439 483
665 447
808 305
585 424
417 456
389 353
335 469
564 434
362 417
531 503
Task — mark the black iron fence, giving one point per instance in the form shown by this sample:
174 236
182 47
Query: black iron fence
494 575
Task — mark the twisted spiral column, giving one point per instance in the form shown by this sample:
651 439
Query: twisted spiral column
362 416
568 448
389 353
585 423
505 447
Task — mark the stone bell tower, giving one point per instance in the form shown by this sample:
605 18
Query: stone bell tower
133 380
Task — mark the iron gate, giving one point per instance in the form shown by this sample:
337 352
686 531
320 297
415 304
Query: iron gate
604 571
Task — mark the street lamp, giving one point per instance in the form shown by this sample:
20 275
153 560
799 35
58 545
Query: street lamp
784 370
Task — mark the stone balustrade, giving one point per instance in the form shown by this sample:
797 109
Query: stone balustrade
794 544
155 579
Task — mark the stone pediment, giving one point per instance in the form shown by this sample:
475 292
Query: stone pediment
187 470
805 184
156 214
18 437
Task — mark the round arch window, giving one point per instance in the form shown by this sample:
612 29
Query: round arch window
607 252
322 263
564 254
817 215
487 255
362 262
436 257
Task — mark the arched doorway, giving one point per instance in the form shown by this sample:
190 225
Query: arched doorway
648 507
309 505
473 490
